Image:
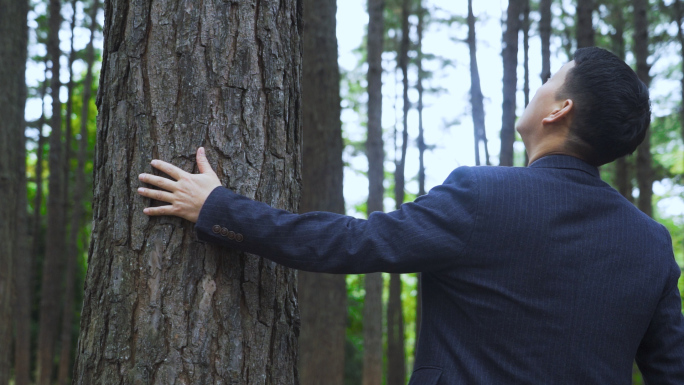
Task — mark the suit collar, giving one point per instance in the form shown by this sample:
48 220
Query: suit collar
565 161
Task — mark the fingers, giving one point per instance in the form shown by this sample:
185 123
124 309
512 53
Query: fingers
156 194
168 168
158 181
157 211
203 162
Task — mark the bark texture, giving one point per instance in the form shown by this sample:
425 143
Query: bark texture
159 307
584 30
545 35
644 166
322 297
510 81
372 304
48 324
13 40
476 97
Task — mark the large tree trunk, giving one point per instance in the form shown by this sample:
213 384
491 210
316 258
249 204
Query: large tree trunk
77 216
644 167
159 307
476 97
396 350
13 41
510 81
322 297
545 35
56 231
372 304
584 29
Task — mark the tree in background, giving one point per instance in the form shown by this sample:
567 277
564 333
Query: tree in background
160 306
396 349
623 178
53 261
13 40
78 213
322 297
585 28
372 306
476 97
644 167
510 80
545 36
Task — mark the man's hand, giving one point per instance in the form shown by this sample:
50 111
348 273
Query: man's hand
186 195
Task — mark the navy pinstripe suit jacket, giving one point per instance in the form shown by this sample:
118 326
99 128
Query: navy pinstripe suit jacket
538 275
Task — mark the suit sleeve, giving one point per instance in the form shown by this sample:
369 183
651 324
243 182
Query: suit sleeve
660 356
426 235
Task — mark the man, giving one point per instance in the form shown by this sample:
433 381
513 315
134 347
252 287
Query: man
538 275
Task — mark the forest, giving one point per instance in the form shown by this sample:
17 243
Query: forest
350 107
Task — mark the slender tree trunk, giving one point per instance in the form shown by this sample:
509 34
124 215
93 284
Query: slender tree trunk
24 283
644 167
77 216
372 305
160 307
545 34
510 81
420 89
36 222
68 129
623 179
396 352
48 325
584 28
526 60
421 150
476 97
13 51
322 297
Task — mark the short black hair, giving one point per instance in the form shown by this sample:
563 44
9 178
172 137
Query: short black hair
612 106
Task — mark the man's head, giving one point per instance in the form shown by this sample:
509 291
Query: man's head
595 107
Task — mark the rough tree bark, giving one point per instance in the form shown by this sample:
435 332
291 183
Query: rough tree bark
545 35
56 218
584 29
476 97
396 350
159 307
322 297
510 81
13 41
644 167
77 215
372 305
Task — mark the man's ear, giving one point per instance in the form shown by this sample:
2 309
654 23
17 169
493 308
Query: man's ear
561 112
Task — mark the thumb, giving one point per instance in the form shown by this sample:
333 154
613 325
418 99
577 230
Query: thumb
203 162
